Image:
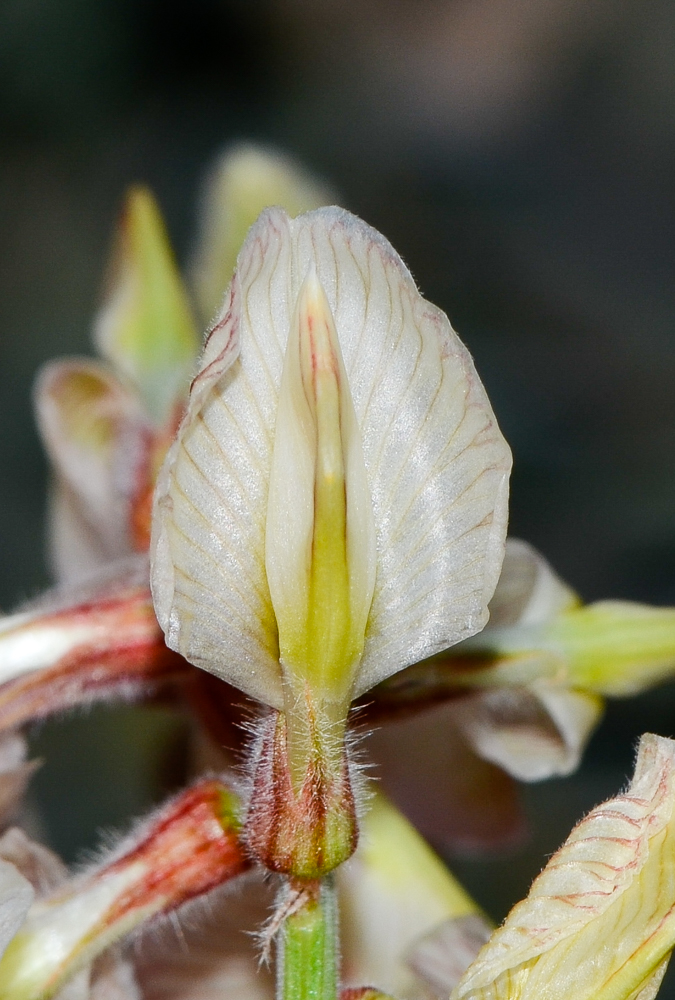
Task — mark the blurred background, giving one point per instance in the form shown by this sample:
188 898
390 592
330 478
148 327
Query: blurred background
520 155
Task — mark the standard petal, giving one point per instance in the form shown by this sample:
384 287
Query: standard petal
208 536
436 462
529 594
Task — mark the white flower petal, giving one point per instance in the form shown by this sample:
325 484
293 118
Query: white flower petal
320 535
435 459
598 921
76 548
208 542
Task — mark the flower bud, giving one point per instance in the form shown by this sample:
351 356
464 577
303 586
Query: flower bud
188 848
244 181
102 448
83 645
145 327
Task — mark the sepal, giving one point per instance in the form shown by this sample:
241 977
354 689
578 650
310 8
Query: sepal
301 829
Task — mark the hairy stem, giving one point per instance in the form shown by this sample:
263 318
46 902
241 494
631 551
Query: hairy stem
308 946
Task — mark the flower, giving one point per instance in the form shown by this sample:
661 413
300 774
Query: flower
435 464
599 922
333 508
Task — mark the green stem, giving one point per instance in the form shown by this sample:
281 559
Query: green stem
308 948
